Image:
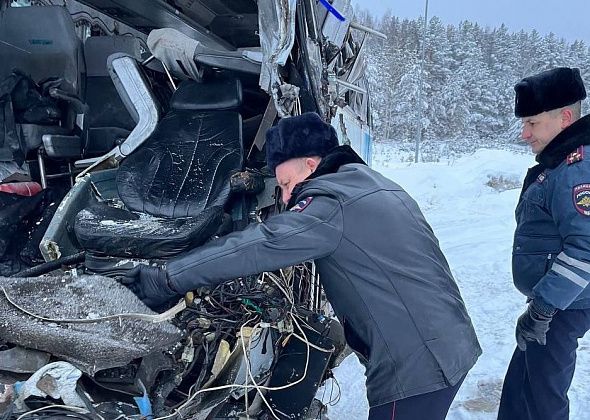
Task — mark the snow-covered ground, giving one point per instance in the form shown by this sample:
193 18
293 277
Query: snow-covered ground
472 213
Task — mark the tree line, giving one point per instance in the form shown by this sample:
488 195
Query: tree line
468 82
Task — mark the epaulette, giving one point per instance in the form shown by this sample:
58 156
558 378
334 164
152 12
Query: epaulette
575 156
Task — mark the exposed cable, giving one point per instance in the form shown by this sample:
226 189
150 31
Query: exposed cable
48 407
164 316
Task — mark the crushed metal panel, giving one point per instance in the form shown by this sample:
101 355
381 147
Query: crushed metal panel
22 360
315 69
276 20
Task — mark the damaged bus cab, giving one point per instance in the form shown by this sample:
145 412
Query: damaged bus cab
133 131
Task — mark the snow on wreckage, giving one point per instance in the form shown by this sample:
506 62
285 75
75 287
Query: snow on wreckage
137 128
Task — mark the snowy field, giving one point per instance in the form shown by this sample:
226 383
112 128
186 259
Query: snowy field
470 203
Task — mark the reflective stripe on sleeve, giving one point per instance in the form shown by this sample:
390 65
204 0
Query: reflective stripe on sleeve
573 262
570 275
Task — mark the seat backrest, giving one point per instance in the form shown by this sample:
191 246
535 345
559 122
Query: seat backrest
107 117
185 166
41 41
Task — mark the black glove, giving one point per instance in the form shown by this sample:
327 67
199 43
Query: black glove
534 323
150 284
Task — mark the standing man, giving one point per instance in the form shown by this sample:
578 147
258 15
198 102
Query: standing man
378 259
551 254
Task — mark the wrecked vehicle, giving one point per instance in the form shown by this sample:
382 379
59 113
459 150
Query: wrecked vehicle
133 131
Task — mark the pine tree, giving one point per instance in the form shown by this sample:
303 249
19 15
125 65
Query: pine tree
469 76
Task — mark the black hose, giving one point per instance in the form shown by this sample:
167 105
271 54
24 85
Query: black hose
51 265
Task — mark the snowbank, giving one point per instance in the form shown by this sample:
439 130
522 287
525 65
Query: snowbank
470 204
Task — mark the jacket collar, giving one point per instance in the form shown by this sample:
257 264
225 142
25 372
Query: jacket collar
331 163
577 134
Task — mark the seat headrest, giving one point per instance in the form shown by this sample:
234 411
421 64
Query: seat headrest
218 95
42 42
97 50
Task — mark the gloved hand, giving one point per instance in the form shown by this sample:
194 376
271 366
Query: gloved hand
150 284
534 323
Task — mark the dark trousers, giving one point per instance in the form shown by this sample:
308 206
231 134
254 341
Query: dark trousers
537 381
430 406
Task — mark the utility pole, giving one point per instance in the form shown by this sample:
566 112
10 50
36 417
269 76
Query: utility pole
420 83
387 124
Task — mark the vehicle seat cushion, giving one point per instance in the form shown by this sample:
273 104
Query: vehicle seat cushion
185 166
114 231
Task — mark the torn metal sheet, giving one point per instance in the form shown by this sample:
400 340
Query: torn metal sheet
334 29
315 69
276 20
90 347
21 360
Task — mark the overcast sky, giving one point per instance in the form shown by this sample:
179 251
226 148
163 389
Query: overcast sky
568 19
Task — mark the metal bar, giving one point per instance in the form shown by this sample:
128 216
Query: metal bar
169 76
267 119
351 86
158 14
61 175
41 163
148 60
368 30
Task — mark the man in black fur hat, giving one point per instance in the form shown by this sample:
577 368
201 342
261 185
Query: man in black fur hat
378 260
551 253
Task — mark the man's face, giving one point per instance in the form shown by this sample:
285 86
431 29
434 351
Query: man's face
292 172
538 130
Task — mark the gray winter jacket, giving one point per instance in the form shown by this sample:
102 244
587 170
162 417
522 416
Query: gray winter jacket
382 270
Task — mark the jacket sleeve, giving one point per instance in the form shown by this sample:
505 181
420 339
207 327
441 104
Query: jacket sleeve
569 204
285 239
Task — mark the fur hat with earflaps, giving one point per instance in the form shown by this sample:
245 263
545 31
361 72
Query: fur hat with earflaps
304 135
548 90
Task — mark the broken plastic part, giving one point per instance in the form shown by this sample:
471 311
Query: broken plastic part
221 357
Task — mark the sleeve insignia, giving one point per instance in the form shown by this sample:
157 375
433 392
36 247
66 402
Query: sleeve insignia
575 156
302 204
581 196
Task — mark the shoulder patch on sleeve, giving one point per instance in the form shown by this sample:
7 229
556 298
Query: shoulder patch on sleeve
581 196
575 156
301 205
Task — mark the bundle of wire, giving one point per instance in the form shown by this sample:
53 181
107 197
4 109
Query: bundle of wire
257 302
253 296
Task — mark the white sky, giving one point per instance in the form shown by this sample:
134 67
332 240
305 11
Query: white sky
570 19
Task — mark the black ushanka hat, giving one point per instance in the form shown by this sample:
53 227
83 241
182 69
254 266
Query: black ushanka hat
304 135
548 90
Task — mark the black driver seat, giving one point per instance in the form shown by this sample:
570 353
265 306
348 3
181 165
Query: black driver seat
174 186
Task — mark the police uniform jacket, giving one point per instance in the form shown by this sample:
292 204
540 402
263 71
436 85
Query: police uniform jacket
551 252
381 268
